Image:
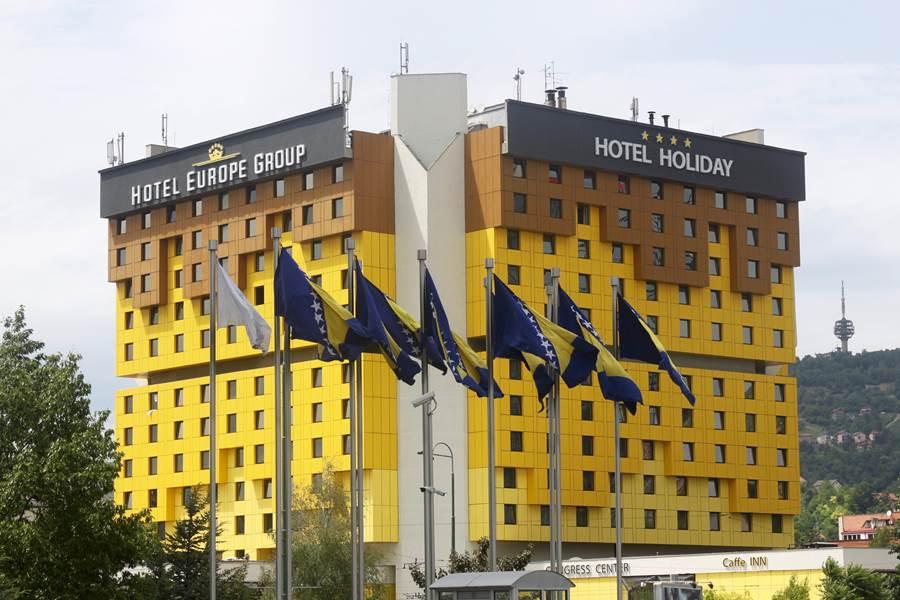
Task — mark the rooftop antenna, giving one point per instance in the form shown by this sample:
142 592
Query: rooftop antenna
404 58
343 93
518 79
843 328
550 76
120 155
165 130
111 157
635 111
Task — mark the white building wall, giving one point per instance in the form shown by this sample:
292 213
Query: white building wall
428 122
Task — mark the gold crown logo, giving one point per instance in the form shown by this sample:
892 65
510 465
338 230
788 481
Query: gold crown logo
216 151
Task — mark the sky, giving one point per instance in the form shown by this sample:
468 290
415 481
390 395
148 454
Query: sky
822 77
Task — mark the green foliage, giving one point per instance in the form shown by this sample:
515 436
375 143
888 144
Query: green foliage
475 562
723 595
885 537
794 590
851 583
322 558
60 534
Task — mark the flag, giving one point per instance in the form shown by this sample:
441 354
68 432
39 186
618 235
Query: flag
395 341
233 308
615 383
466 366
313 315
521 333
637 341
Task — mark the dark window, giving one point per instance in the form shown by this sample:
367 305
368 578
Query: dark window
316 249
623 184
129 351
659 257
587 445
513 275
750 422
518 168
782 240
231 423
555 208
170 214
655 415
684 294
509 477
715 299
515 405
512 239
653 323
782 490
716 332
712 487
268 521
179 245
648 450
624 218
649 518
337 208
509 514
549 243
649 484
713 235
515 369
746 302
515 441
618 253
651 291
590 180
690 228
584 248
780 424
584 283
520 203
682 519
656 190
752 236
581 516
653 382
554 174
657 223
584 214
587 410
545 515
587 481
777 523
259 295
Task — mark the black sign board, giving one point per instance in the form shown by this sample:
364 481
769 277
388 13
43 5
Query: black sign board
238 159
653 151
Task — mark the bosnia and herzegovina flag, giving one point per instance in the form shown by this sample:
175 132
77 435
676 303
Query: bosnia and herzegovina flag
637 341
466 366
396 342
521 333
615 383
314 316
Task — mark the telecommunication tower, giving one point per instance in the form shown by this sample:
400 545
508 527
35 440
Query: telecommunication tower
843 328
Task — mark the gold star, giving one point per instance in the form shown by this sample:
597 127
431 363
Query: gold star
645 136
659 138
687 142
673 140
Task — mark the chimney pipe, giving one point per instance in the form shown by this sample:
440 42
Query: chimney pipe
666 120
652 114
561 101
550 100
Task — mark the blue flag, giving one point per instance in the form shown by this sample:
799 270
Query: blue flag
524 334
466 366
615 383
637 341
393 339
313 315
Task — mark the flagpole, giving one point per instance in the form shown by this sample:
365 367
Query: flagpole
279 501
427 444
287 488
554 426
213 276
361 488
349 247
489 352
617 441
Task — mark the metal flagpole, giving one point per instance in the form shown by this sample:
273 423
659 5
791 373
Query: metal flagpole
554 439
489 355
617 407
360 474
349 247
213 276
427 445
279 501
287 488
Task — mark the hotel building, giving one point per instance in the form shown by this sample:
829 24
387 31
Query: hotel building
701 231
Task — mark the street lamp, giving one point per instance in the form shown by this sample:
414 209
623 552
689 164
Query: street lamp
452 490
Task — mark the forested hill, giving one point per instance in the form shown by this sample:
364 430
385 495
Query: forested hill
849 407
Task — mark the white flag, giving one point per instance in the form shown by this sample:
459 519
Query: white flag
233 308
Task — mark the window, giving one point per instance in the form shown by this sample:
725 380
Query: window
587 410
259 419
659 256
584 283
306 214
720 453
152 497
316 412
178 463
146 283
251 194
777 306
545 515
204 393
555 208
239 525
515 405
624 218
690 260
250 227
750 423
549 243
316 377
259 453
682 519
197 208
656 190
749 390
778 338
231 334
337 208
776 273
649 485
520 203
721 200
781 458
154 346
196 272
239 457
780 424
512 239
718 420
753 269
612 482
684 294
259 295
231 423
690 228
584 249
127 499
587 445
231 389
653 382
781 210
518 168
590 183
649 518
129 351
751 205
337 173
197 239
146 251
651 291
145 220
268 521
129 404
129 436
178 430
515 441
713 235
751 455
583 213
657 223
513 275
712 487
718 386
509 514
223 233
581 516
316 250
655 415
746 522
687 451
782 240
171 213
587 481
715 265
204 460
687 195
684 328
618 253
515 369
746 302
777 523
121 226
204 338
345 408
554 174
129 320
716 332
747 334
714 521
623 184
648 450
752 236
204 426
782 490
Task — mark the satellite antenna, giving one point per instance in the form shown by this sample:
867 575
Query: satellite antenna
635 111
404 58
518 79
165 130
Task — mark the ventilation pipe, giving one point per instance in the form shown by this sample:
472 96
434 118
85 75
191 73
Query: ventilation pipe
550 100
561 100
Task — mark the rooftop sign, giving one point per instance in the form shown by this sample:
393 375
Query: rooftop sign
241 158
564 136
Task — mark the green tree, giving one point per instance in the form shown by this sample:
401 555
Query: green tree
475 562
723 595
322 554
852 582
61 535
794 590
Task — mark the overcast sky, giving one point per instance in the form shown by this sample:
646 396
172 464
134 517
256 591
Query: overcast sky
822 77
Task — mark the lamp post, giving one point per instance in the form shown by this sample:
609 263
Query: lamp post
452 490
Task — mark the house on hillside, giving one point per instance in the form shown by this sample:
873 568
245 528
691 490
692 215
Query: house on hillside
858 530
